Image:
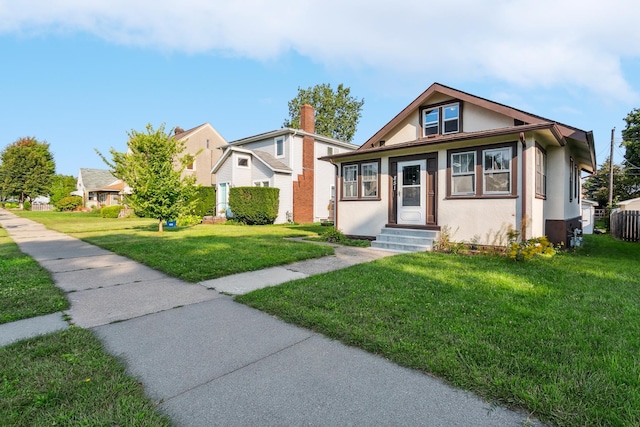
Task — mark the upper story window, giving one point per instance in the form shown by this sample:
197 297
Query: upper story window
541 172
243 162
441 120
280 147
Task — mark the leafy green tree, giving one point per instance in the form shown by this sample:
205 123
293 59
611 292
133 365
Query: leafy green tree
26 169
631 143
336 112
153 167
596 187
61 186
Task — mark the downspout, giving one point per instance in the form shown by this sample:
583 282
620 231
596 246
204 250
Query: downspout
523 220
335 196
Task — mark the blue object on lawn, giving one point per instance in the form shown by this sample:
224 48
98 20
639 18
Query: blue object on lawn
171 224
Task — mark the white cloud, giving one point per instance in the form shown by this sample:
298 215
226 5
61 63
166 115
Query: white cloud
530 43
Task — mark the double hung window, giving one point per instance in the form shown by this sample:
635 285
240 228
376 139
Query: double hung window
361 180
541 172
481 171
497 170
463 173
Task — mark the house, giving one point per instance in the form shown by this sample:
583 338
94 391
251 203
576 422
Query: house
630 205
455 160
99 188
287 159
202 142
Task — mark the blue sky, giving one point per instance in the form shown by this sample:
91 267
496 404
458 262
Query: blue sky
80 75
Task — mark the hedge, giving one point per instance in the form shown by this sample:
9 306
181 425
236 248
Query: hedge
205 201
254 205
110 211
69 203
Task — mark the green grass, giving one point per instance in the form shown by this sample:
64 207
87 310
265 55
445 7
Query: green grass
192 254
66 379
26 289
557 337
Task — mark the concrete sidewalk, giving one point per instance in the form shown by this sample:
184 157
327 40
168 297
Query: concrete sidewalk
211 361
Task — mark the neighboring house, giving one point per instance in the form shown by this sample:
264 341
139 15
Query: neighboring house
630 205
473 165
203 142
286 159
99 188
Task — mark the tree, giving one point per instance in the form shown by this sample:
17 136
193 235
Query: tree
631 143
596 187
26 169
152 167
337 112
61 187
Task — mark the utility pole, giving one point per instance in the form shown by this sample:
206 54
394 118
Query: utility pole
610 205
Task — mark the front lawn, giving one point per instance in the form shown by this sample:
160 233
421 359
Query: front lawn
26 289
195 253
556 337
66 379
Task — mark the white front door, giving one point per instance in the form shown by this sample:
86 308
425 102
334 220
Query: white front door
411 193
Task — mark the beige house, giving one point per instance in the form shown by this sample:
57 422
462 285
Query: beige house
451 159
203 141
630 205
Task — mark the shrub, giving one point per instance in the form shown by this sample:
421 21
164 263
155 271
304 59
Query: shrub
110 211
254 205
11 205
186 220
26 205
205 201
69 203
527 249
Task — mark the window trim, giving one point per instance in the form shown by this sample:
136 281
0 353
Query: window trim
541 176
486 172
479 171
247 158
376 179
359 183
440 123
472 173
279 139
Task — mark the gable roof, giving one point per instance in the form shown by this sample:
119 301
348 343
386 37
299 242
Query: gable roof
578 139
265 158
99 179
181 134
291 131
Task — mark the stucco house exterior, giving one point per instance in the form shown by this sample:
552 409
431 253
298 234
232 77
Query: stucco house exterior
473 165
289 160
99 188
203 142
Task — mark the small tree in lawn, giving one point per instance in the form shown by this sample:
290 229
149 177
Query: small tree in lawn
153 167
26 169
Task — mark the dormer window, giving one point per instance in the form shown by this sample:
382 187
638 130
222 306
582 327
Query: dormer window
441 120
280 147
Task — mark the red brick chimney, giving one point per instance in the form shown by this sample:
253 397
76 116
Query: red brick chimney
303 189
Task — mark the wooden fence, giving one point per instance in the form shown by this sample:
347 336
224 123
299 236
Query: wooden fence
625 225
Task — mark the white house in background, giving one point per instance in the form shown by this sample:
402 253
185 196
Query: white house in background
588 215
203 142
99 188
630 205
476 166
287 159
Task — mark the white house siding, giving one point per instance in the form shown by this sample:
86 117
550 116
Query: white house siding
324 179
283 182
241 175
260 172
268 145
296 156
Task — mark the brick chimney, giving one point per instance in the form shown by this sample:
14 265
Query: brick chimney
303 194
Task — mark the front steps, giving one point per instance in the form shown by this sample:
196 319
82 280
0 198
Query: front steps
405 240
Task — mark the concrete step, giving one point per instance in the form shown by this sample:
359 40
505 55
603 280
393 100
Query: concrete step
405 240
